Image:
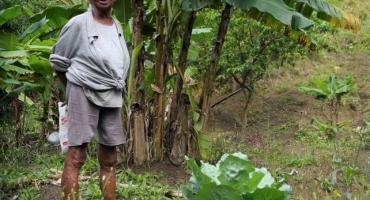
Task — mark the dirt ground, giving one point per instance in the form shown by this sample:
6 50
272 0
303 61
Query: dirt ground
276 114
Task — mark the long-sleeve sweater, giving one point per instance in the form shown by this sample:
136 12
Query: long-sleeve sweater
77 54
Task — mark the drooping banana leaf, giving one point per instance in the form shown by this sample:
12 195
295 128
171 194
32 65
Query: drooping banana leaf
10 13
41 65
49 20
277 14
331 14
292 15
13 54
19 70
59 11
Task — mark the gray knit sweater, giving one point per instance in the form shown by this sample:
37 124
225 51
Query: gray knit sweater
77 54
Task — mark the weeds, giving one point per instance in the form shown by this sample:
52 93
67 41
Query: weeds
29 193
224 143
299 161
20 182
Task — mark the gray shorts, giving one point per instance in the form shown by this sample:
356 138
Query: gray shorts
86 118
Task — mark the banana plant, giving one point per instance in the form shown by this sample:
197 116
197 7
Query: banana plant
24 59
332 92
12 13
143 24
333 89
178 30
33 47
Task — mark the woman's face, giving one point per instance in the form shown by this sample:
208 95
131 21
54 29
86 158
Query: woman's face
103 5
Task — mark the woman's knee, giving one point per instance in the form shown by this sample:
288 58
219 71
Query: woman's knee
77 156
107 156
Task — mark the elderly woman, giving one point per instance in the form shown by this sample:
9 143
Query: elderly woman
91 59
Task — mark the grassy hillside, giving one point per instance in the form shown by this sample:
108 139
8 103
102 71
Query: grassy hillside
281 132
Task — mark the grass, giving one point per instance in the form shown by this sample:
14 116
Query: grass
285 146
308 150
18 181
21 180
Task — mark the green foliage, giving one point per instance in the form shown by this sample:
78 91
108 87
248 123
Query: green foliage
332 93
29 193
250 53
333 89
327 128
10 13
20 179
34 5
18 25
298 161
24 60
234 177
278 11
346 169
123 11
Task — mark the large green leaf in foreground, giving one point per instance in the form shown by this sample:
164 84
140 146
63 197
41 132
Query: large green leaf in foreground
8 42
233 177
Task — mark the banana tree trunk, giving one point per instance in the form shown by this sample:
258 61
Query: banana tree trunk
138 140
212 68
179 129
180 132
159 82
17 116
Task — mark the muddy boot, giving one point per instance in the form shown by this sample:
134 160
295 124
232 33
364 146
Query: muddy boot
107 159
76 157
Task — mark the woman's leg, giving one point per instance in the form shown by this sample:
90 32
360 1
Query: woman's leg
75 158
107 157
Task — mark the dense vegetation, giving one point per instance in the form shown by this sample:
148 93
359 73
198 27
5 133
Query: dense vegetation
253 53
